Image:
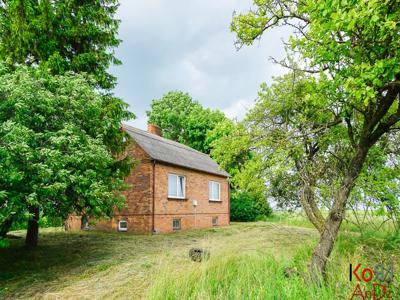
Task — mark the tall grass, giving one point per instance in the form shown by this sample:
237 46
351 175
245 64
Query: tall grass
242 276
257 275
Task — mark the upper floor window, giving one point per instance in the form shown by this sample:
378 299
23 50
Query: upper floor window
176 186
214 191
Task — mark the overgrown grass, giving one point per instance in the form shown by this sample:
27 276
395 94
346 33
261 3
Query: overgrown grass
262 260
258 275
237 276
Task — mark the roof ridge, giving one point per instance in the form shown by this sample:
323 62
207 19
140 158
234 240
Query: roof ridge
164 140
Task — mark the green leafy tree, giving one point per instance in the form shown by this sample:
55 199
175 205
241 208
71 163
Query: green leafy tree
354 45
54 154
184 120
231 153
61 36
233 150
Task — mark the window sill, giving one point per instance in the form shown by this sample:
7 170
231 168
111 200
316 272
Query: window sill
177 199
211 200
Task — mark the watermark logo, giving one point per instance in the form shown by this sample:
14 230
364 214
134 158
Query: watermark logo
380 276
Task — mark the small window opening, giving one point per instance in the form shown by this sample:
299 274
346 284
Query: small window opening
85 223
214 221
122 225
176 224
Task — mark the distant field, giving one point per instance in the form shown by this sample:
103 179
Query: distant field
248 260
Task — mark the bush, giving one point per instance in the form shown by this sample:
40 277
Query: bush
246 207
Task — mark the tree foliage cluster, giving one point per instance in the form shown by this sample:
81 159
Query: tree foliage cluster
61 36
53 148
184 120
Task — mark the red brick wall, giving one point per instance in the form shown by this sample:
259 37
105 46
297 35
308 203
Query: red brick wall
140 199
73 223
196 189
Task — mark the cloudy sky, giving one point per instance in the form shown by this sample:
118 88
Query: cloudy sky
187 45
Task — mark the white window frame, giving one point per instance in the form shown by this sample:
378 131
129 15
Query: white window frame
210 190
180 224
177 186
216 221
122 228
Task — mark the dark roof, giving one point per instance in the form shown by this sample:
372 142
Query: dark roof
164 150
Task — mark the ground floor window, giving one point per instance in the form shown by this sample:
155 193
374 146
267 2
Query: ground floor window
214 191
176 224
122 225
85 223
214 221
176 186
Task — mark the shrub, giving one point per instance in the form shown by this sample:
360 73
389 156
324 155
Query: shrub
246 207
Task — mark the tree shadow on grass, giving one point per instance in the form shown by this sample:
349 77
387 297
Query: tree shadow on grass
59 255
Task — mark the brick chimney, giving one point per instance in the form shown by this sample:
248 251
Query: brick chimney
154 129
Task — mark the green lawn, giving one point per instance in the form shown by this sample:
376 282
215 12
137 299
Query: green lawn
248 260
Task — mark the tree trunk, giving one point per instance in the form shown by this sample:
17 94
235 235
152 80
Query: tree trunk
5 226
335 218
313 213
32 233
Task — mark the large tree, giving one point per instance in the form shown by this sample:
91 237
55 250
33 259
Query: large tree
68 35
184 120
54 157
355 45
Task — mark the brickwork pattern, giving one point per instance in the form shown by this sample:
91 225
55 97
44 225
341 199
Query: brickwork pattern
139 199
167 209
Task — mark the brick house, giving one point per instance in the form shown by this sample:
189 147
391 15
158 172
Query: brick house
174 187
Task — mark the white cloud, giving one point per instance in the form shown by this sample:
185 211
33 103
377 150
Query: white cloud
187 45
238 109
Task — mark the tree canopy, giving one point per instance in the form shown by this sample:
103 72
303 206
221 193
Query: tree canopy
61 36
184 120
54 158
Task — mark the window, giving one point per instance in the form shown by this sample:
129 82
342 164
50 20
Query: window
122 225
85 223
214 191
176 224
176 186
214 221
